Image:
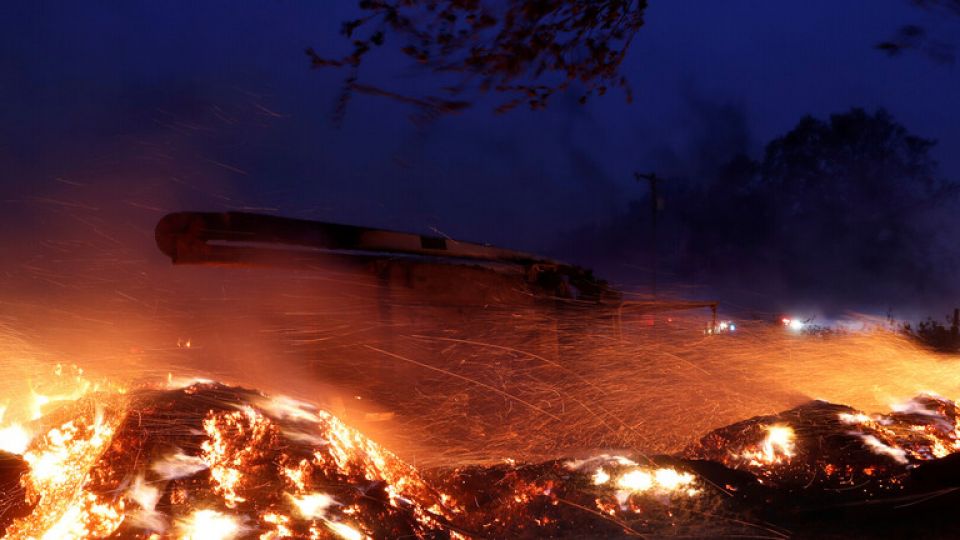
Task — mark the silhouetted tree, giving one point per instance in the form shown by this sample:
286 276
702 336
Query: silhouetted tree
846 210
525 49
935 335
849 204
857 190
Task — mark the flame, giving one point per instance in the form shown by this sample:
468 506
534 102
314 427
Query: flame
146 496
14 439
600 477
636 480
670 479
313 505
83 518
344 531
60 462
178 465
777 447
663 481
279 525
209 525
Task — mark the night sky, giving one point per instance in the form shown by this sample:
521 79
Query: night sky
117 112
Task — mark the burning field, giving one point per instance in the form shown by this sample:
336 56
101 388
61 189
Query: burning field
419 410
197 459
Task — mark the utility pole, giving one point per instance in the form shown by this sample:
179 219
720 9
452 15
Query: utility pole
652 178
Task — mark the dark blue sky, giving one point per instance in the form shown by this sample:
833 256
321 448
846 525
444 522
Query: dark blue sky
149 107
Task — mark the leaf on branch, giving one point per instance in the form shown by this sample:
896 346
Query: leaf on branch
529 48
889 47
349 26
912 37
318 61
432 104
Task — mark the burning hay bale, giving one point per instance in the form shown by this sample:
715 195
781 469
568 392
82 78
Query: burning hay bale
822 446
822 469
210 461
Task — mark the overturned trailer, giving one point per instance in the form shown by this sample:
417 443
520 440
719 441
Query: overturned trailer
397 258
433 267
426 285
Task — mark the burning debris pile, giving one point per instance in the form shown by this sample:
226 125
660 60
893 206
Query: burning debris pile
209 461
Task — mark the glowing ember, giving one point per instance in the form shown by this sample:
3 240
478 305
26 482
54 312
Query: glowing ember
215 462
234 439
